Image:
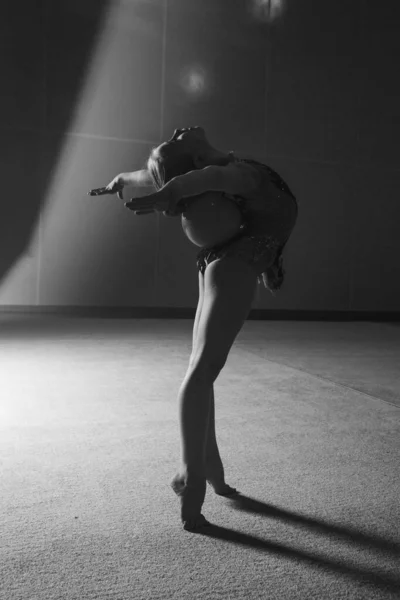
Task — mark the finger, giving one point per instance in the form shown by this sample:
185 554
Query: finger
120 194
138 210
140 204
100 191
133 206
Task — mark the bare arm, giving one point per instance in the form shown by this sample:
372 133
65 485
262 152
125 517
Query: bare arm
141 178
233 179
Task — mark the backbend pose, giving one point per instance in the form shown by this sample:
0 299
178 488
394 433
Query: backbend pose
185 166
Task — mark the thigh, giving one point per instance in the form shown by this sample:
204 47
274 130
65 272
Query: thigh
230 286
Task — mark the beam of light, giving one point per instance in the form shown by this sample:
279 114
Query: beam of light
66 205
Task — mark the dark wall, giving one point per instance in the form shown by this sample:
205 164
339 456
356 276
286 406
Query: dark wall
90 86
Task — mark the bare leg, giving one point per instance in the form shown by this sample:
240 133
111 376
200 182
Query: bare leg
230 285
214 468
190 483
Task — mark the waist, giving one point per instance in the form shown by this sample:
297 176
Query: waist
276 216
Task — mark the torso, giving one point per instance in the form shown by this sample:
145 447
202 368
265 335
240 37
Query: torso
272 208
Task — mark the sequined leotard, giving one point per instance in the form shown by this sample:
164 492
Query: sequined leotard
263 234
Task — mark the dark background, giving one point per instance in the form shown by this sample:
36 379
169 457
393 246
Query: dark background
89 87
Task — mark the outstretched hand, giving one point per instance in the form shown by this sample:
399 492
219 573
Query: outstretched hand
115 186
161 201
165 200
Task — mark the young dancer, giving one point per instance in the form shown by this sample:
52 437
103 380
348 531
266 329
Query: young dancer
185 166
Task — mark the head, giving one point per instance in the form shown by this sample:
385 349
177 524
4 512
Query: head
187 150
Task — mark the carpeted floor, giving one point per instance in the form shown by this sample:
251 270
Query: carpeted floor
308 423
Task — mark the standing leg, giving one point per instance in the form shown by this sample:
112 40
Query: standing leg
214 468
194 405
190 483
230 286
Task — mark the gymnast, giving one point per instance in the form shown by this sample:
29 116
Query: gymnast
188 165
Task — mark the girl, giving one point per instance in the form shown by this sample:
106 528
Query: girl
185 166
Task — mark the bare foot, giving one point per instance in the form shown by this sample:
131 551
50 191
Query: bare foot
216 478
191 495
225 490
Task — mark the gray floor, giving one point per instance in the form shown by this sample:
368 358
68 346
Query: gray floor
308 425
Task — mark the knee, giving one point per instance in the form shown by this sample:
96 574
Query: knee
205 369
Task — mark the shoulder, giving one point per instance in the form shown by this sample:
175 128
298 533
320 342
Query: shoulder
239 177
246 163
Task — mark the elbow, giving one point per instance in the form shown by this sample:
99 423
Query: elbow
214 176
194 183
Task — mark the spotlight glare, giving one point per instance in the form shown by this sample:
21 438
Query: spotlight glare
195 81
268 10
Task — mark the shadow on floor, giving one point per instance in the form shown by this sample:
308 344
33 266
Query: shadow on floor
378 580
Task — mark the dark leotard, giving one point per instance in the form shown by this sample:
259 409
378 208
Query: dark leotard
259 240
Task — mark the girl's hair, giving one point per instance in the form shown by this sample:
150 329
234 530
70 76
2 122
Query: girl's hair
165 164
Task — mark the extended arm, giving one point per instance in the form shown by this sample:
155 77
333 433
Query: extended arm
234 179
141 178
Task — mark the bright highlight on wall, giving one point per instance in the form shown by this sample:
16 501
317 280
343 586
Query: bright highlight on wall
195 82
268 10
